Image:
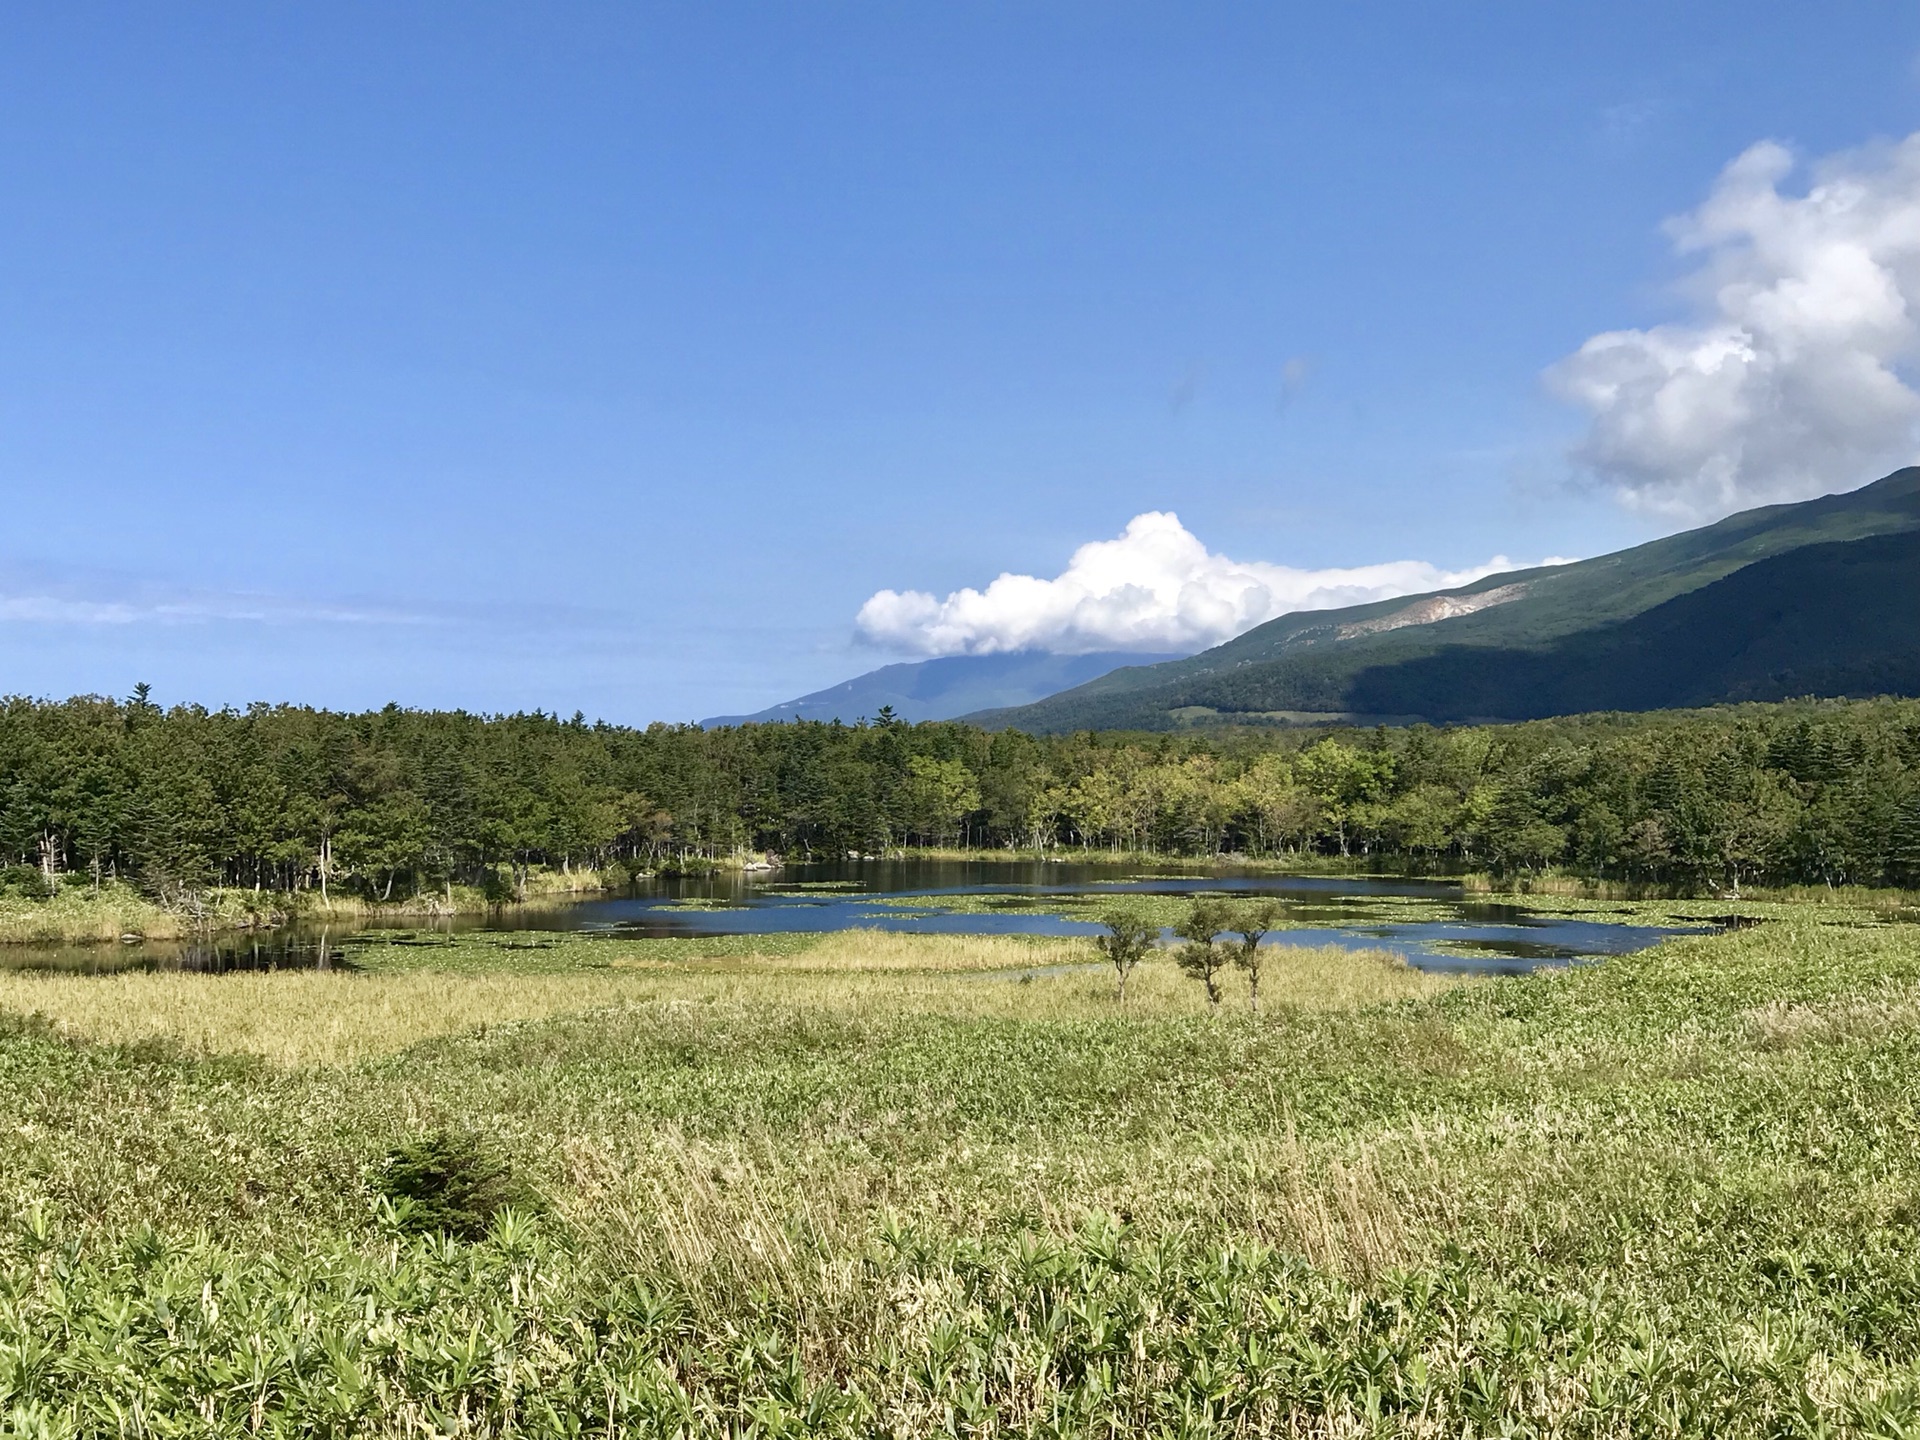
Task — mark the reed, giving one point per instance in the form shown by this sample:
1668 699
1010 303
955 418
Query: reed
304 1017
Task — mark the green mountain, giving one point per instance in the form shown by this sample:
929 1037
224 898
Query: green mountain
1816 598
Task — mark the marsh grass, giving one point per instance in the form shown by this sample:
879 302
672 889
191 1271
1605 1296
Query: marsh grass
1877 900
80 913
801 1188
849 951
298 1017
1781 1023
308 1017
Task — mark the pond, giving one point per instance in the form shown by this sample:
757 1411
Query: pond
1429 922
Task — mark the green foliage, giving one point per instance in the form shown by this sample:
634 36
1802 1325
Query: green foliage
1253 920
25 882
1126 943
1202 956
450 1182
406 805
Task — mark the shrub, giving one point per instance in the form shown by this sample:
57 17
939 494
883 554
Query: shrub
1125 944
1200 957
25 882
451 1182
1253 919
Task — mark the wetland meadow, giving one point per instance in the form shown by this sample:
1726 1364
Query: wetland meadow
586 1182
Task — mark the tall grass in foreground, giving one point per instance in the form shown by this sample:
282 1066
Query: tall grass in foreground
817 1192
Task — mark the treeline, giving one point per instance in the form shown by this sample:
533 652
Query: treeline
398 802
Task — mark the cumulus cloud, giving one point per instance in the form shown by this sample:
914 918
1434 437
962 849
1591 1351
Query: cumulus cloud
1156 587
1788 380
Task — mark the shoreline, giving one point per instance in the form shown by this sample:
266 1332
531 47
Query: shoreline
117 913
80 914
1549 884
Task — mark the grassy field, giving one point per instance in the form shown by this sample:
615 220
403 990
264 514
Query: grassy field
877 1184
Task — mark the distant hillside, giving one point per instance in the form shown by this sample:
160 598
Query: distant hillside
942 689
1820 598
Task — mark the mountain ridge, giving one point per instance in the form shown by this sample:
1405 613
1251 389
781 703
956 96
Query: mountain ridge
1343 662
944 687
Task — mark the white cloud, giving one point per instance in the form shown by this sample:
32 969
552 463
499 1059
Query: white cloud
1787 382
1156 587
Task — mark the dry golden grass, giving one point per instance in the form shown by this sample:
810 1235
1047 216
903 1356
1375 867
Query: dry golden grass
1781 1024
865 970
300 1017
1328 977
884 950
307 1017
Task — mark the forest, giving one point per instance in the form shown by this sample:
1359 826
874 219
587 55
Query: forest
396 802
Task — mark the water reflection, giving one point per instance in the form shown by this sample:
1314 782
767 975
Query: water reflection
288 949
1429 922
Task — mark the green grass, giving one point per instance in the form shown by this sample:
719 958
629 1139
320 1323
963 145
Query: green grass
885 1185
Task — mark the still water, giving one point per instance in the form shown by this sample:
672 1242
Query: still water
1430 922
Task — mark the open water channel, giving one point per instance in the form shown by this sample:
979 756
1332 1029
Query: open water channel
1430 922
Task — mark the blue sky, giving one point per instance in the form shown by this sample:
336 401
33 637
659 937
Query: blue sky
613 357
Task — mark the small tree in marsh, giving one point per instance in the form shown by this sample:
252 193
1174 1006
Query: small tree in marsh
1125 944
1253 920
1200 957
